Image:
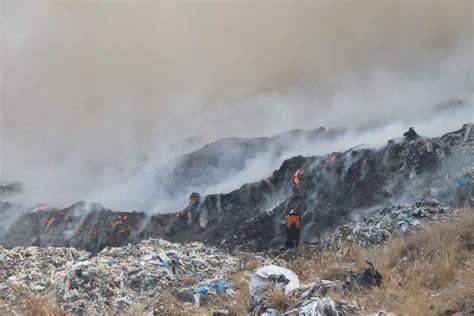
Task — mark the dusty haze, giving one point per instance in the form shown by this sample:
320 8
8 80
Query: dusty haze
93 85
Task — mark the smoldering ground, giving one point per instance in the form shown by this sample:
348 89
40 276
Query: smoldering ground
90 88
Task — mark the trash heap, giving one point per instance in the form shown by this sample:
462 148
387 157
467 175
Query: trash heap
326 190
114 279
313 301
395 220
310 299
35 269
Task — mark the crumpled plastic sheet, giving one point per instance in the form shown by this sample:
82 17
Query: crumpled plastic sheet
319 307
114 279
218 287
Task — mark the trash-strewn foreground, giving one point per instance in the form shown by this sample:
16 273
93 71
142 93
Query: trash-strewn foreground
426 272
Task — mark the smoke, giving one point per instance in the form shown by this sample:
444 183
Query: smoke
90 89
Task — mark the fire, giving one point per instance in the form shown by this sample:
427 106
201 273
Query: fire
50 222
120 220
333 158
296 177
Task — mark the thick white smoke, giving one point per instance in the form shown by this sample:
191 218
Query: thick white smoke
89 89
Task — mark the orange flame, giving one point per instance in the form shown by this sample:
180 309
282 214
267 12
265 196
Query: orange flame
50 222
120 220
333 158
296 177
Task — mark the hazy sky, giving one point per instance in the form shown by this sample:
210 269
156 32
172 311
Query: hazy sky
105 82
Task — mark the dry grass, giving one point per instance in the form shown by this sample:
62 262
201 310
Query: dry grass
239 303
426 273
29 304
422 271
248 262
327 264
275 297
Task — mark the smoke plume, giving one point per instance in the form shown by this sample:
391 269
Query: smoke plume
92 87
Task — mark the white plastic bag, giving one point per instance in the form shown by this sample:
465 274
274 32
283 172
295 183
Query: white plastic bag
265 275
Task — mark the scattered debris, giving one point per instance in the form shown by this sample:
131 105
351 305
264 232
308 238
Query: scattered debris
395 220
366 279
117 277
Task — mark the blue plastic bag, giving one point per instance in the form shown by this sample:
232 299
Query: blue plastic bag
220 286
463 181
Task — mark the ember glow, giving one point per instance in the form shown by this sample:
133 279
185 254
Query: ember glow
296 177
120 220
50 222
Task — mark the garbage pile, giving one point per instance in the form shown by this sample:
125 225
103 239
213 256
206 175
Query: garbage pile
112 280
395 220
310 299
327 189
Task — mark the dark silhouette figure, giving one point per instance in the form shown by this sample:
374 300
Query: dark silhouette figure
293 229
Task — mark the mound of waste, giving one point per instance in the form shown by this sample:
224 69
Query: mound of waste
112 280
117 279
327 190
392 221
216 162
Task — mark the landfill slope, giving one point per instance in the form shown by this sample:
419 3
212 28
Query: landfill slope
329 191
216 162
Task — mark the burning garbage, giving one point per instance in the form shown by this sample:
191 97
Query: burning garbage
296 177
120 220
50 222
359 178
